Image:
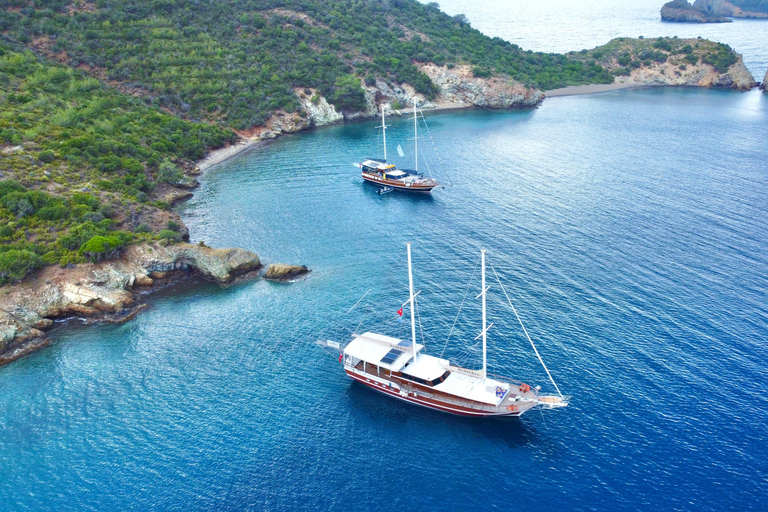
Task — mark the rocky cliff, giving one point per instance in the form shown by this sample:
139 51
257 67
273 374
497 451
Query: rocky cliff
725 8
109 290
682 11
700 75
764 85
672 61
458 89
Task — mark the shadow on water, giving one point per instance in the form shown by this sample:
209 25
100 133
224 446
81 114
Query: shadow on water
382 409
372 190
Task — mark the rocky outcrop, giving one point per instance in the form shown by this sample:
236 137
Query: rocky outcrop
700 75
109 290
282 272
677 68
458 89
725 8
765 81
682 11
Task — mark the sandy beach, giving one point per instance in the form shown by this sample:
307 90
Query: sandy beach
219 155
574 90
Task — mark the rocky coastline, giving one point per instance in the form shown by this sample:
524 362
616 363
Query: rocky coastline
110 291
113 290
705 11
681 11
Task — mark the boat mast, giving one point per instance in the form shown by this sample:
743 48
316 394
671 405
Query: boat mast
384 131
413 316
415 139
482 258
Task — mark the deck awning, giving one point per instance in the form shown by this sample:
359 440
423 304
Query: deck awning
384 351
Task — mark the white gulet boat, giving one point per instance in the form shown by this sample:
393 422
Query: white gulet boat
387 175
399 368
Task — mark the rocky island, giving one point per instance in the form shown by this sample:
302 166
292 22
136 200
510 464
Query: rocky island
710 11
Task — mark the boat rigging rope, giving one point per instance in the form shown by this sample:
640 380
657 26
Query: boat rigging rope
358 302
525 331
442 165
418 315
459 312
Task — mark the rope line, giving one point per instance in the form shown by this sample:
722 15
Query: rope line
459 312
526 332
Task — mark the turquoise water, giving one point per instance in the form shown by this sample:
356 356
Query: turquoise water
631 237
630 230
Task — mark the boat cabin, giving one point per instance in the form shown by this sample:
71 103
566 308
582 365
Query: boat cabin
391 359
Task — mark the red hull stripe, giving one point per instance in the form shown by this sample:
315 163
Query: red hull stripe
462 412
398 185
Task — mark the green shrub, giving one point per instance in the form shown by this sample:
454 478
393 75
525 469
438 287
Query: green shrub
56 212
170 236
479 72
15 264
46 157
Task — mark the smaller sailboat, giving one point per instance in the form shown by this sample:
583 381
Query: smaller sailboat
401 369
383 174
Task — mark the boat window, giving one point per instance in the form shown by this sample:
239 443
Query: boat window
391 356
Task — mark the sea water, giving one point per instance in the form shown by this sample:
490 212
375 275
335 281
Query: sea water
629 229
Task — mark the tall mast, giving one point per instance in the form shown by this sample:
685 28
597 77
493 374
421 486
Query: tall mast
415 137
384 131
482 258
413 316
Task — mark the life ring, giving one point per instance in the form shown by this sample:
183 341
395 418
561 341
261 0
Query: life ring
511 407
524 388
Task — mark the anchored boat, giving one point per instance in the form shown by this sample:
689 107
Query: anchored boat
383 174
401 369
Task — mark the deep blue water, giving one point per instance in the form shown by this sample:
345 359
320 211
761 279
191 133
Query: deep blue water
630 229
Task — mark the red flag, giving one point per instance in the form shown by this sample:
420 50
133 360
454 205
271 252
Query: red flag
400 311
341 356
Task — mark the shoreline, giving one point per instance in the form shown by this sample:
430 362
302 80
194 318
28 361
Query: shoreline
578 90
220 155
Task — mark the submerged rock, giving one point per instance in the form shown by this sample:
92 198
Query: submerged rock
282 272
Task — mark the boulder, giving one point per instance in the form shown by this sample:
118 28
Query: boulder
282 272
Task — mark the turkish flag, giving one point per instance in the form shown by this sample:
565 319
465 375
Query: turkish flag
400 311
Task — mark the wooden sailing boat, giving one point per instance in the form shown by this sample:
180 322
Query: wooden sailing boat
400 369
383 174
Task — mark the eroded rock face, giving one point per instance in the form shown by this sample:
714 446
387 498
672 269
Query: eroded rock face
725 8
765 81
682 11
458 89
701 75
107 290
282 272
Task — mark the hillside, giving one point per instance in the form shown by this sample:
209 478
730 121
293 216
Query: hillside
85 169
671 61
237 61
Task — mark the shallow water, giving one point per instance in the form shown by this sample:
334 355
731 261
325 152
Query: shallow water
630 230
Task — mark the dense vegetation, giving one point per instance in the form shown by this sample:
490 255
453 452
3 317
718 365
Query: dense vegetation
78 161
237 61
622 55
87 150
